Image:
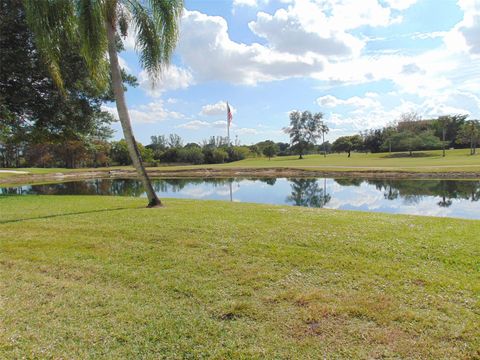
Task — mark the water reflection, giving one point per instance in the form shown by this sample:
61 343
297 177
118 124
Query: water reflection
456 198
307 192
414 190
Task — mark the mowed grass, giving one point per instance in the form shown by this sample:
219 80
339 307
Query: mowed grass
456 161
104 277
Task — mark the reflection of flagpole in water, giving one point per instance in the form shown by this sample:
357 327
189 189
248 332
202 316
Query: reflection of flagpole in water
230 185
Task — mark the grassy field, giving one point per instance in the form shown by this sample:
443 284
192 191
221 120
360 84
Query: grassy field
103 277
455 161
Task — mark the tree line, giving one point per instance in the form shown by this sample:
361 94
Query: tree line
411 133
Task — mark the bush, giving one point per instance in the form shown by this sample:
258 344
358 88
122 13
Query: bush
214 155
170 155
192 155
236 153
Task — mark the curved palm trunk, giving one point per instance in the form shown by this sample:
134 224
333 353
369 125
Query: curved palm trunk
124 117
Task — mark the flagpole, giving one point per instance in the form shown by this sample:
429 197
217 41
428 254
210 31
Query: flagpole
228 127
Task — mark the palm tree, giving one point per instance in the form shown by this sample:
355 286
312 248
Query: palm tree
444 121
96 25
324 130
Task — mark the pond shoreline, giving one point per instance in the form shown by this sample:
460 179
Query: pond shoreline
237 172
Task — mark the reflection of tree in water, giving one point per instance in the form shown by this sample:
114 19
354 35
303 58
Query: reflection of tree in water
176 185
412 191
307 192
126 187
13 191
444 202
268 181
349 182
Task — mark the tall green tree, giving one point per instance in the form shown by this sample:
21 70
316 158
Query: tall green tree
96 26
33 110
469 133
270 150
347 144
447 127
304 130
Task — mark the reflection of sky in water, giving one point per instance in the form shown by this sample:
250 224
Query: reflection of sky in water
418 197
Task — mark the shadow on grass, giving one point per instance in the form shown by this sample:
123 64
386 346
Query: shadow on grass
407 155
67 214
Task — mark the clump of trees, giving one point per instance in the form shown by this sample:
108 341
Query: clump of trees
411 133
215 150
347 144
469 133
270 150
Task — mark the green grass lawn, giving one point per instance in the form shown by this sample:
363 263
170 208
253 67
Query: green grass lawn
104 277
455 161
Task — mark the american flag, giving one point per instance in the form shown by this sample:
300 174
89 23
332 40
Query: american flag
229 115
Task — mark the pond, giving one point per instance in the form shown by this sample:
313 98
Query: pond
452 198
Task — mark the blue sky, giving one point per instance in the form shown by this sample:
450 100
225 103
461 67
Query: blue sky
361 63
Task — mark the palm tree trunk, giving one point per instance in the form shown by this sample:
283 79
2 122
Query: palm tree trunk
324 151
124 117
443 142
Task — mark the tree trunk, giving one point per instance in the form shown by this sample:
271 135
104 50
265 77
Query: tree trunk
324 151
349 153
443 142
124 117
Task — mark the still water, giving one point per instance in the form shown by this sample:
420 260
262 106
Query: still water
453 198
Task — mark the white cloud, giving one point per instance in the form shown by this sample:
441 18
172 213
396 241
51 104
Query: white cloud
194 125
361 113
294 31
123 64
172 78
221 124
199 124
150 113
246 131
400 4
465 36
471 32
309 38
251 3
218 109
357 102
205 46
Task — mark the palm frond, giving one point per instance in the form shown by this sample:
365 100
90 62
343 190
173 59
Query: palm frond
51 22
156 26
92 35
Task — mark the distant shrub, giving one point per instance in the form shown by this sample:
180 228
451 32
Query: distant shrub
192 155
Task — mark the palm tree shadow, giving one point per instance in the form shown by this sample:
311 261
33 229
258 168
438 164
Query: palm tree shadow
68 214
